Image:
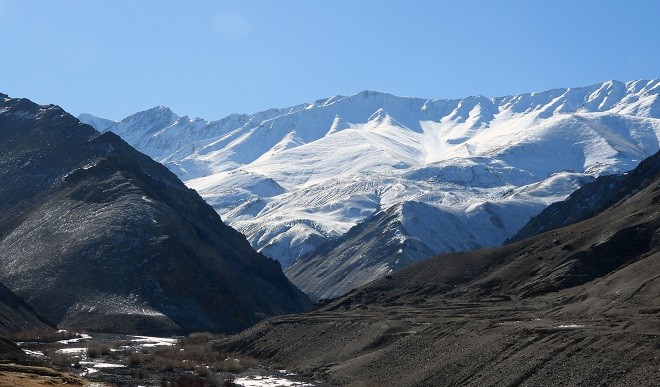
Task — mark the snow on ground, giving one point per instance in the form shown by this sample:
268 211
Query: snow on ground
92 367
72 351
268 381
571 326
83 337
33 353
149 341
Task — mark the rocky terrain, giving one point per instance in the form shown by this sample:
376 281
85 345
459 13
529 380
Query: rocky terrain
96 235
16 315
576 305
18 369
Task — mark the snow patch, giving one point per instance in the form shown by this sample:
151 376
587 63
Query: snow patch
268 381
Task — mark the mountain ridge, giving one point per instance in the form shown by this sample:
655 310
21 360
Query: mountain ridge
293 179
96 235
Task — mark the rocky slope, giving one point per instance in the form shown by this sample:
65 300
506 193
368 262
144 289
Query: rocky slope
96 235
16 315
591 199
576 305
295 179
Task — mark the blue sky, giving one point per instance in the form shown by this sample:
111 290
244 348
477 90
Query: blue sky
213 58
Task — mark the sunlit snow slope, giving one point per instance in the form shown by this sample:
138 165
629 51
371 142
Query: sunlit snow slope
450 174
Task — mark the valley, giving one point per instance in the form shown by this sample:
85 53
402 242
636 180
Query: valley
571 293
330 193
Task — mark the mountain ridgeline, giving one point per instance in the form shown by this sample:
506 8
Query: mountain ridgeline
95 235
591 199
435 176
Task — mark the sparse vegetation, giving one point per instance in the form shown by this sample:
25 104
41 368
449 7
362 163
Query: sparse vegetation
192 361
196 353
43 335
201 338
97 350
134 360
64 360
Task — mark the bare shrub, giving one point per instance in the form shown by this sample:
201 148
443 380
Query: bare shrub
202 371
98 349
234 365
43 335
248 362
134 360
64 360
228 365
160 364
201 338
187 354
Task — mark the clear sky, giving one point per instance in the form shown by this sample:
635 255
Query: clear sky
213 58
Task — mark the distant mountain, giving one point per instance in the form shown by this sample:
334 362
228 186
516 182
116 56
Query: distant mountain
100 124
17 316
576 305
98 236
295 179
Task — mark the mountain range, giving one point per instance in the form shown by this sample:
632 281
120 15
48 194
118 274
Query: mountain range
574 305
95 235
317 185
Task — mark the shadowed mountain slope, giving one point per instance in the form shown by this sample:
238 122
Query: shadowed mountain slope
96 235
16 315
577 305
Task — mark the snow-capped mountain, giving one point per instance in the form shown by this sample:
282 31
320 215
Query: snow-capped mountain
455 174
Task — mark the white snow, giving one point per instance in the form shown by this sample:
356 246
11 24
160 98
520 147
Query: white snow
268 381
571 326
33 353
149 341
91 365
291 179
82 337
72 350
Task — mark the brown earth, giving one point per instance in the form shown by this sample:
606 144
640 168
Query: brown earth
12 375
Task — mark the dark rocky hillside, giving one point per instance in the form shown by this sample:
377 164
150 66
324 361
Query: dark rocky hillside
96 235
577 305
16 315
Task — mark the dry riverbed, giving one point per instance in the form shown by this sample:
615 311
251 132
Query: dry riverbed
122 360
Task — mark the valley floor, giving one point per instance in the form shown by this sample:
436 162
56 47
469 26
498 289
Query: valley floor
498 343
101 359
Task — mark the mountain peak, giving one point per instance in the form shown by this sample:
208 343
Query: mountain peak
159 259
371 94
